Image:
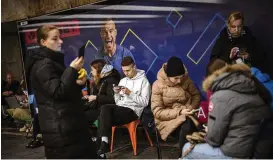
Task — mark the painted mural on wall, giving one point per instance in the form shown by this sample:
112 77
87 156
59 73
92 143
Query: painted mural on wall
152 31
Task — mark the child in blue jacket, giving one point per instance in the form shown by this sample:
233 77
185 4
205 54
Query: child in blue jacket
265 80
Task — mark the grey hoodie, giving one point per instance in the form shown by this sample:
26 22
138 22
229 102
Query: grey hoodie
140 95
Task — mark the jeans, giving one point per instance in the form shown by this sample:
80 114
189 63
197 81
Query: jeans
35 116
185 129
204 151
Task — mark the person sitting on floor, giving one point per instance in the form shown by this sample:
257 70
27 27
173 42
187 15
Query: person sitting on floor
131 96
174 96
105 76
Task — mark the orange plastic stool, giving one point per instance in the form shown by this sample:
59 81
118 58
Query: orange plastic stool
132 126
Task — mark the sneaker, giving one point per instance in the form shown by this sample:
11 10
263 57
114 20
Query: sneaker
104 148
39 136
102 156
37 143
23 129
30 143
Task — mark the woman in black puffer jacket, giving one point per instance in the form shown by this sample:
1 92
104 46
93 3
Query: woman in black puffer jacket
57 90
105 76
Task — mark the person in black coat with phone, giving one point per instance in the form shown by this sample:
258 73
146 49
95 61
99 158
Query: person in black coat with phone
236 42
57 90
104 76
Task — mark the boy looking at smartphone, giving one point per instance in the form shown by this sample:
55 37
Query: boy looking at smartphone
131 96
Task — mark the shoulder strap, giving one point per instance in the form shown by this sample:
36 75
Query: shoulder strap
101 87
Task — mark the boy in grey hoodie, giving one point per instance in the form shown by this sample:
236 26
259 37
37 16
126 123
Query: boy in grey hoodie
131 96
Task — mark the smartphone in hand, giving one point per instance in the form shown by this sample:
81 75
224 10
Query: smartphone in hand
195 110
81 51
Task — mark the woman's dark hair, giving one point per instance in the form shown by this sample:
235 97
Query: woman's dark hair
42 32
214 65
98 64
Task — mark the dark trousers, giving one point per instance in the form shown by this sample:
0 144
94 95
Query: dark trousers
36 125
185 129
92 115
113 115
264 144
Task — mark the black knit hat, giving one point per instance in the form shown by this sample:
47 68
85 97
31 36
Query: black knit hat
174 67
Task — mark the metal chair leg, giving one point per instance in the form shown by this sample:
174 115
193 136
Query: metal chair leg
159 155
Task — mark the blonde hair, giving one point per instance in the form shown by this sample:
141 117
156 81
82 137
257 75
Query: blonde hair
42 32
235 16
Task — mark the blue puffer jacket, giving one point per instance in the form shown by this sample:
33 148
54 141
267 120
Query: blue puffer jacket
265 79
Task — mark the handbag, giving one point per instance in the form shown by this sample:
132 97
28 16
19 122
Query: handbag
195 137
94 104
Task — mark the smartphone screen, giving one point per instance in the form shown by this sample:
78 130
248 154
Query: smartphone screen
122 87
81 51
196 110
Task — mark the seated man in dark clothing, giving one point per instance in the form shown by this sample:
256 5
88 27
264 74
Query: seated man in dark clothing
10 87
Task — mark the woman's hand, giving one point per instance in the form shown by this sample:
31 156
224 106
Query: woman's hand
233 52
92 98
81 81
77 63
185 112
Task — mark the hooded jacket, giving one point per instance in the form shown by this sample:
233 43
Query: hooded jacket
105 86
236 110
265 80
169 99
61 115
140 93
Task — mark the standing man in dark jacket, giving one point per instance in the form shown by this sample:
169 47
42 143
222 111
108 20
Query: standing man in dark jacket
236 111
58 94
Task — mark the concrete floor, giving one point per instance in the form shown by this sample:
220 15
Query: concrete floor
13 146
